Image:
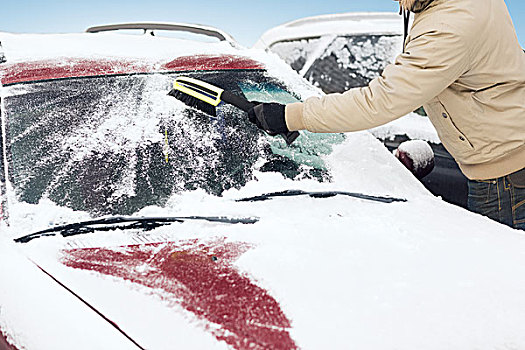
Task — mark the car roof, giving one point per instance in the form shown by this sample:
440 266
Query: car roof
44 70
352 23
37 57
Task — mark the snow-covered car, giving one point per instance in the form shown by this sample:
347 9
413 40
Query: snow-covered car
130 220
342 51
337 52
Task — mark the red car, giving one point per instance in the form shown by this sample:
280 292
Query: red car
131 220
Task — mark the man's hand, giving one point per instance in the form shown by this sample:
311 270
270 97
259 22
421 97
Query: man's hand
269 117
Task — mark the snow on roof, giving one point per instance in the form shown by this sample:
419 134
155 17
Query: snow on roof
32 47
125 53
334 24
13 73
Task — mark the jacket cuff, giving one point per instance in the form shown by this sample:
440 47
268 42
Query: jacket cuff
294 116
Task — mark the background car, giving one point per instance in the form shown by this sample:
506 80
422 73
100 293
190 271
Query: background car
136 221
342 51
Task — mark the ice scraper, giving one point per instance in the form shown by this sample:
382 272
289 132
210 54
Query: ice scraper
205 97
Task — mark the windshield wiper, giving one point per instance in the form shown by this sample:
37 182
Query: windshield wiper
112 223
322 194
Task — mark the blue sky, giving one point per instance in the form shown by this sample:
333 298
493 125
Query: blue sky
245 20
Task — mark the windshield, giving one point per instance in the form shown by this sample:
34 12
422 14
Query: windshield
339 63
116 144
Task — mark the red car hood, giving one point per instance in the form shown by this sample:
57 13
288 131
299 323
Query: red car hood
199 277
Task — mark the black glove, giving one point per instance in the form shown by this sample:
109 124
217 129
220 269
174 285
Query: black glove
269 117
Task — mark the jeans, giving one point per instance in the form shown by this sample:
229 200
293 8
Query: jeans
501 199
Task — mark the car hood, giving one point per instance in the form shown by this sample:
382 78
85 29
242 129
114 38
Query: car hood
312 273
333 275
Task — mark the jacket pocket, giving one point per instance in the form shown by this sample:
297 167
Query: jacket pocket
517 179
452 138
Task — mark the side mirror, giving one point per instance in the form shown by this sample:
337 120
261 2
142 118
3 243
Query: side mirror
417 156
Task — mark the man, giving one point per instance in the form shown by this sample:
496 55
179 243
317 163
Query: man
463 63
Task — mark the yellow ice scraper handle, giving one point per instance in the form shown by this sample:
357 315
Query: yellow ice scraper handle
199 89
193 91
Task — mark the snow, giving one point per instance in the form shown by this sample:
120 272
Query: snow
312 55
33 310
421 274
297 53
344 23
418 151
366 57
348 273
148 49
413 125
29 47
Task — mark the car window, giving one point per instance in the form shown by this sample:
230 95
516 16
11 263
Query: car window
339 63
116 144
297 52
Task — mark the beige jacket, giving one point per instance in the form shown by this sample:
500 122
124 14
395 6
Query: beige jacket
464 64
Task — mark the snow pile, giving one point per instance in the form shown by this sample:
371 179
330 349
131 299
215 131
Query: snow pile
32 47
412 125
419 151
417 156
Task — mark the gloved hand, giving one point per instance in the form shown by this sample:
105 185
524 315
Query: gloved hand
269 117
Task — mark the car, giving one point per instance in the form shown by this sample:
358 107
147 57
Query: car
338 52
133 220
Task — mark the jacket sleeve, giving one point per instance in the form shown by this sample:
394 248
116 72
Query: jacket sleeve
432 61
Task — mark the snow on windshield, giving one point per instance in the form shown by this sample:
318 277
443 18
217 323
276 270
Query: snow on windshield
367 56
338 63
297 53
113 145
